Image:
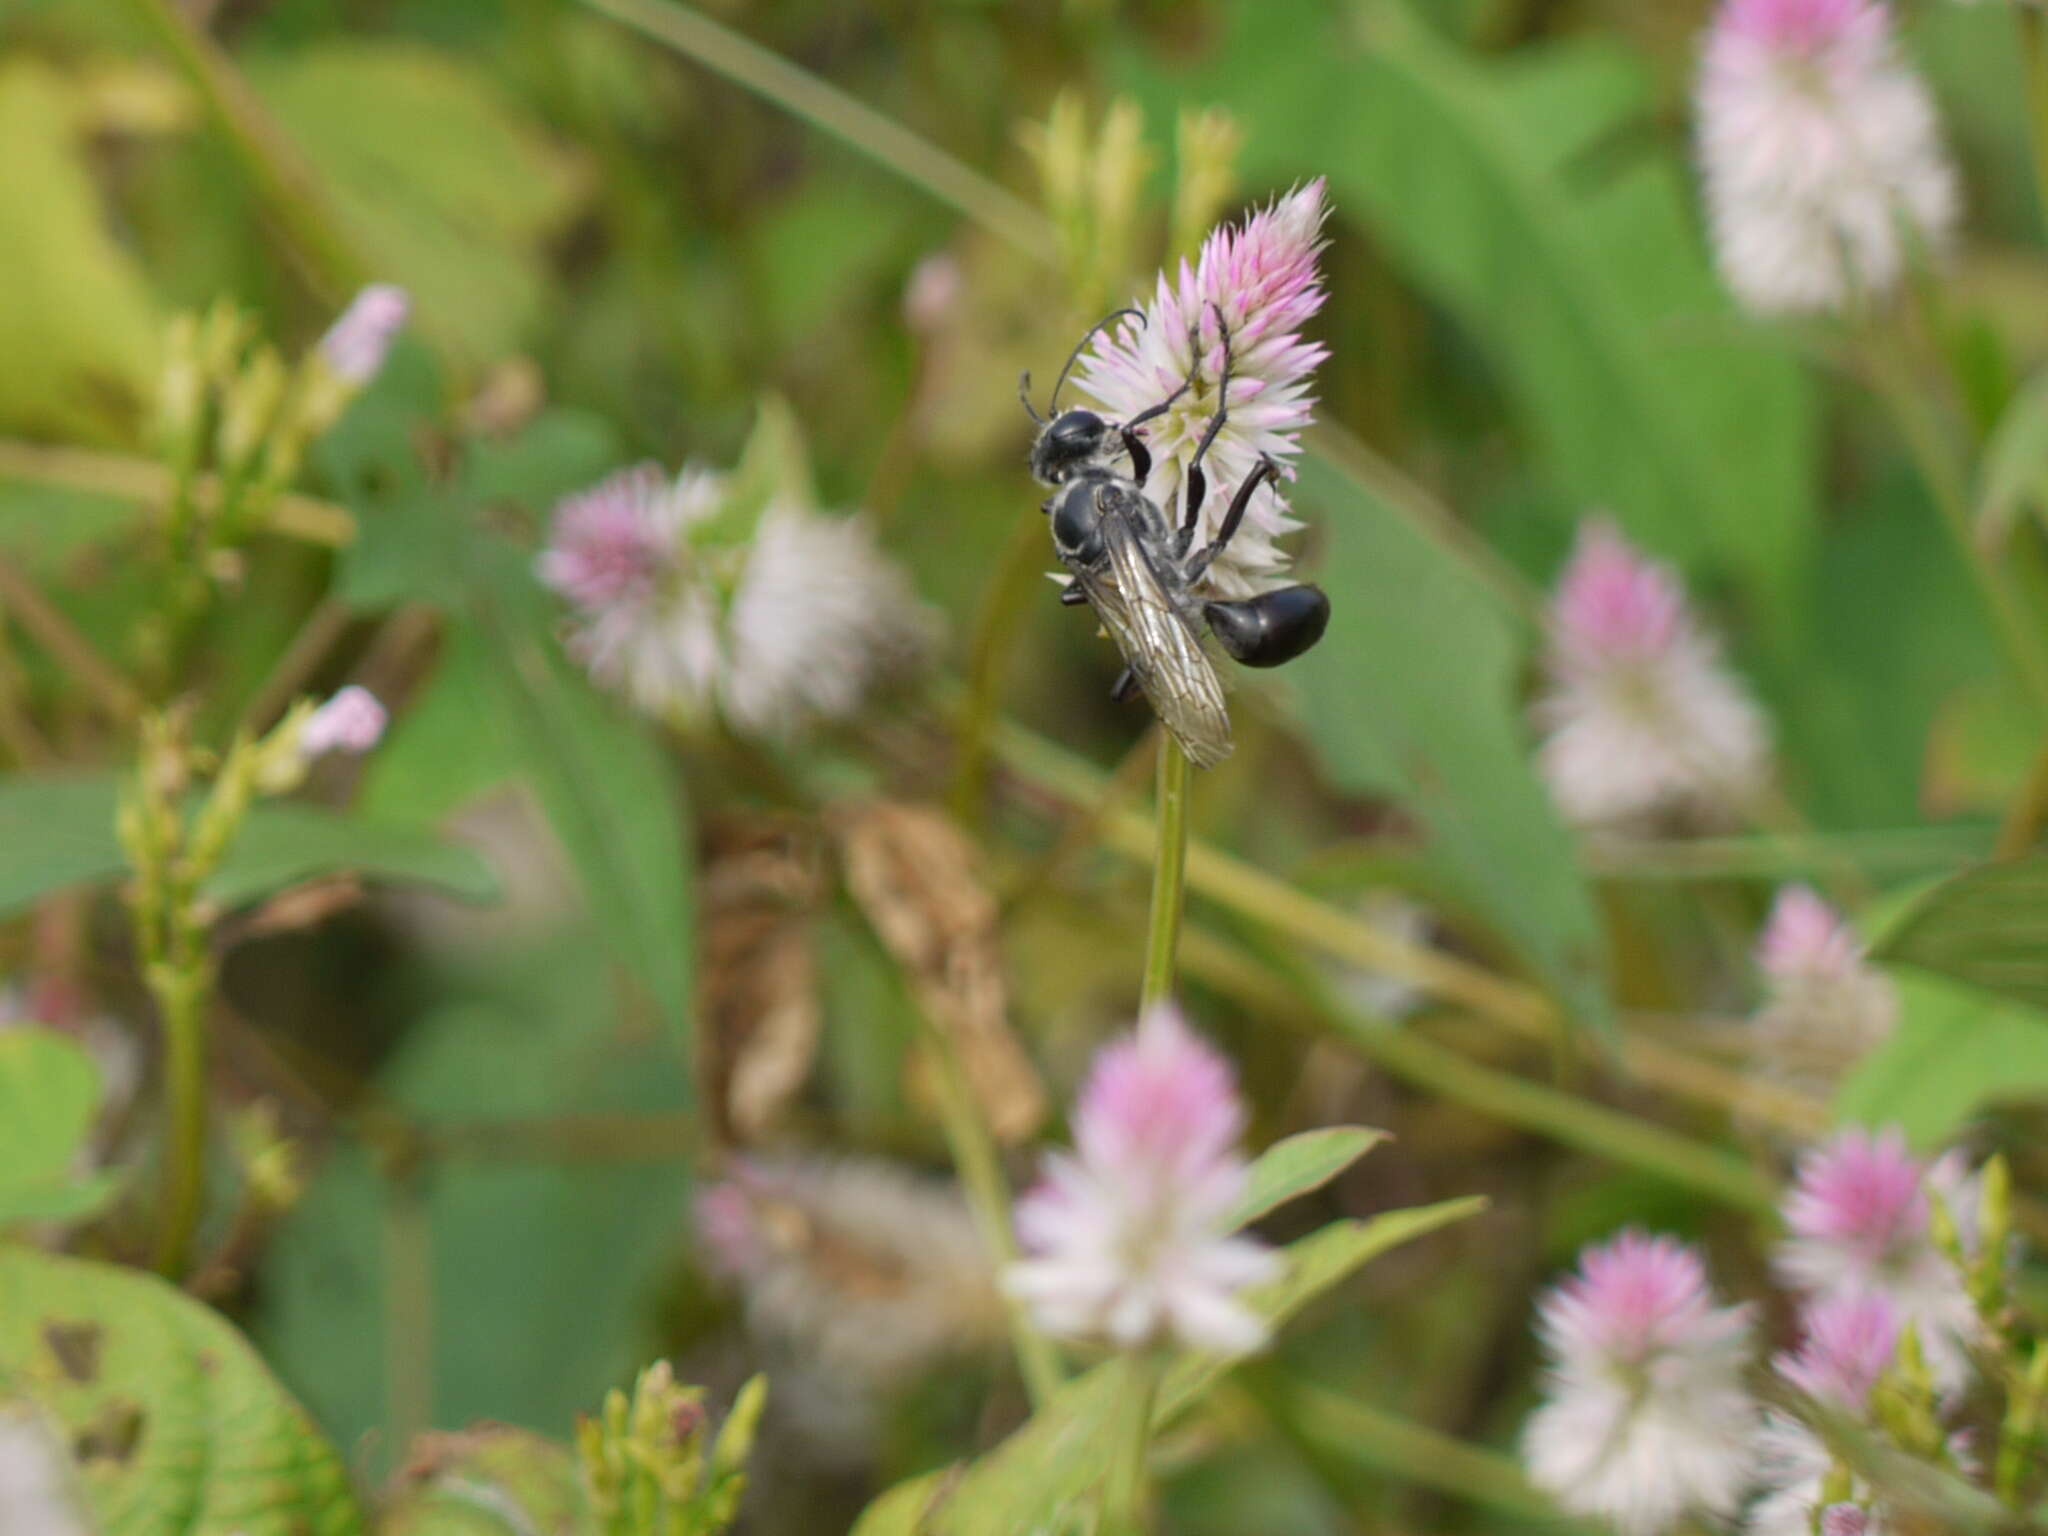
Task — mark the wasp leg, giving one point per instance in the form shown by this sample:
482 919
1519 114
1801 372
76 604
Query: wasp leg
1197 481
1140 456
1125 688
1267 470
1073 596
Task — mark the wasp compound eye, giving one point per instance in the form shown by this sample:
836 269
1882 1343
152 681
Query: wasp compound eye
1078 429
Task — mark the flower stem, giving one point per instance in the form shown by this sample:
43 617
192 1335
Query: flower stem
1169 876
988 1195
1124 1489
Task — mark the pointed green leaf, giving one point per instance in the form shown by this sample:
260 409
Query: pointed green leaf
174 1425
2014 476
1291 1168
1054 1461
608 790
1987 926
59 833
1956 1050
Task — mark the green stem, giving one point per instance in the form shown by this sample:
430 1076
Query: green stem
2034 48
988 1196
1124 1488
831 110
181 992
2025 641
1169 876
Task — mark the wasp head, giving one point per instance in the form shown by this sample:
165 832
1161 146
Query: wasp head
1071 442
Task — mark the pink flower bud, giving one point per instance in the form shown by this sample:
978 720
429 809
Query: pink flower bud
352 722
356 345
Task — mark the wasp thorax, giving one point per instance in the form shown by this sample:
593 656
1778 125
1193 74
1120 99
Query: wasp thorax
1073 441
1077 521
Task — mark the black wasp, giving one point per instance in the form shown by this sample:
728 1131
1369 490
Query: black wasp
1143 577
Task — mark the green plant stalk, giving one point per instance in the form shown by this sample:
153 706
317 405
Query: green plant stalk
1169 876
988 1195
181 990
1124 1488
1557 1116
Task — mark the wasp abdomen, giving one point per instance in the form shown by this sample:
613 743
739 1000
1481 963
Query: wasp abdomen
1272 628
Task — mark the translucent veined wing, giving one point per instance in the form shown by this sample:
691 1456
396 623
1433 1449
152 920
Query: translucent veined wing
1163 653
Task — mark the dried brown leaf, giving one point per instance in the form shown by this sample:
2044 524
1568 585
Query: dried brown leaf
918 879
759 981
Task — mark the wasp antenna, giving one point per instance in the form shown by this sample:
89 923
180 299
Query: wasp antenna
1053 405
1024 394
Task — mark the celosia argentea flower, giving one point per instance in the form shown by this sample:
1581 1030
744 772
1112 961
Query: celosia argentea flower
866 1269
1822 157
1128 1242
1828 1006
796 619
1645 1418
1642 723
1850 1342
1261 278
1860 1224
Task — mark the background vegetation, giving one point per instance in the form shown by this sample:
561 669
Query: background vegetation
496 1006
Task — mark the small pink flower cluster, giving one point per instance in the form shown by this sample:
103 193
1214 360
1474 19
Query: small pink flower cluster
1648 1417
1643 725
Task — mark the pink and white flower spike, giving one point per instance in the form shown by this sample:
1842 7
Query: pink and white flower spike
1646 1419
1127 1242
1824 169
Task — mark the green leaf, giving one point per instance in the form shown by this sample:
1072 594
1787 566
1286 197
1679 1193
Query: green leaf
904 1509
561 1255
774 467
1413 694
284 844
492 1481
1987 926
2014 476
59 833
176 1426
1063 1452
49 1094
447 184
1956 1050
1585 281
605 784
1291 1168
77 323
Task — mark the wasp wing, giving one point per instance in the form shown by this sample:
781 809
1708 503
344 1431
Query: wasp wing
1166 658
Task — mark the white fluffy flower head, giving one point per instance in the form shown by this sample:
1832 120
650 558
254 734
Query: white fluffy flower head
800 620
868 1270
1261 278
1824 169
1645 1418
1127 1242
1859 1221
1642 723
